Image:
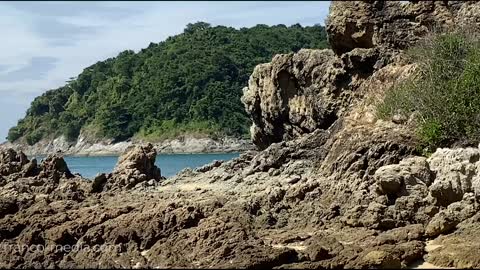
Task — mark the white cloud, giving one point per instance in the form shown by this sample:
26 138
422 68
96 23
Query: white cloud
18 44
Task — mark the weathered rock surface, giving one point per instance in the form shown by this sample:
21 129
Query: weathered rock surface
458 249
316 201
238 214
12 162
136 166
298 93
390 25
54 166
16 164
332 187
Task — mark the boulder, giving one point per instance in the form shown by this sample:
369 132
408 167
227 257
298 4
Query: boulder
382 259
55 167
456 174
446 220
136 165
12 161
292 95
389 25
99 182
398 179
298 93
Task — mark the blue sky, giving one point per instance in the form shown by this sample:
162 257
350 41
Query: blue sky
46 43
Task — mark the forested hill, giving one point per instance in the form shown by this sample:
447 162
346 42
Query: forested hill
189 83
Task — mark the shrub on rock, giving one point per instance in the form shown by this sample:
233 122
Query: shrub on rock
443 95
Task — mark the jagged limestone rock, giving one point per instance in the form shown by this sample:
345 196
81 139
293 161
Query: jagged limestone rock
389 25
135 166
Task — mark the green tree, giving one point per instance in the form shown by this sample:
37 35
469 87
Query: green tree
189 83
198 26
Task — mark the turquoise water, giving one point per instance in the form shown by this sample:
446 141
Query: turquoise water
169 164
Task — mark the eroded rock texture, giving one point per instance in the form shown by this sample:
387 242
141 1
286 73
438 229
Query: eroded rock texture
12 162
135 166
332 187
299 92
391 25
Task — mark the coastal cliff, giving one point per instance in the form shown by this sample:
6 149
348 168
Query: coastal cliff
330 186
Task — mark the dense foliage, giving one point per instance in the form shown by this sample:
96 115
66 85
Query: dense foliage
191 82
444 95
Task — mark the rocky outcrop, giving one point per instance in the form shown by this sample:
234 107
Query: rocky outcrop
298 93
20 188
442 186
346 197
16 164
389 25
54 166
247 212
136 166
12 162
282 96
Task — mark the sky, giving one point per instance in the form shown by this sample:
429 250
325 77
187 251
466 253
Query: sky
46 43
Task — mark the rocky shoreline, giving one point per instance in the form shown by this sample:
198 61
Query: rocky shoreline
273 209
85 147
332 186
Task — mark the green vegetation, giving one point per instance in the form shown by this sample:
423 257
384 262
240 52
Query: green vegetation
444 94
191 82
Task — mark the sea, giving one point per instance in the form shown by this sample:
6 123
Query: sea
169 164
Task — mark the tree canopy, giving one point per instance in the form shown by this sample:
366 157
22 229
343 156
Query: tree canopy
191 82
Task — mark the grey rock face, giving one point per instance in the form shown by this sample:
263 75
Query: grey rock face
291 95
457 173
298 93
12 161
390 25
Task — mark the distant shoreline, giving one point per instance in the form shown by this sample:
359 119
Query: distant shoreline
117 155
83 148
